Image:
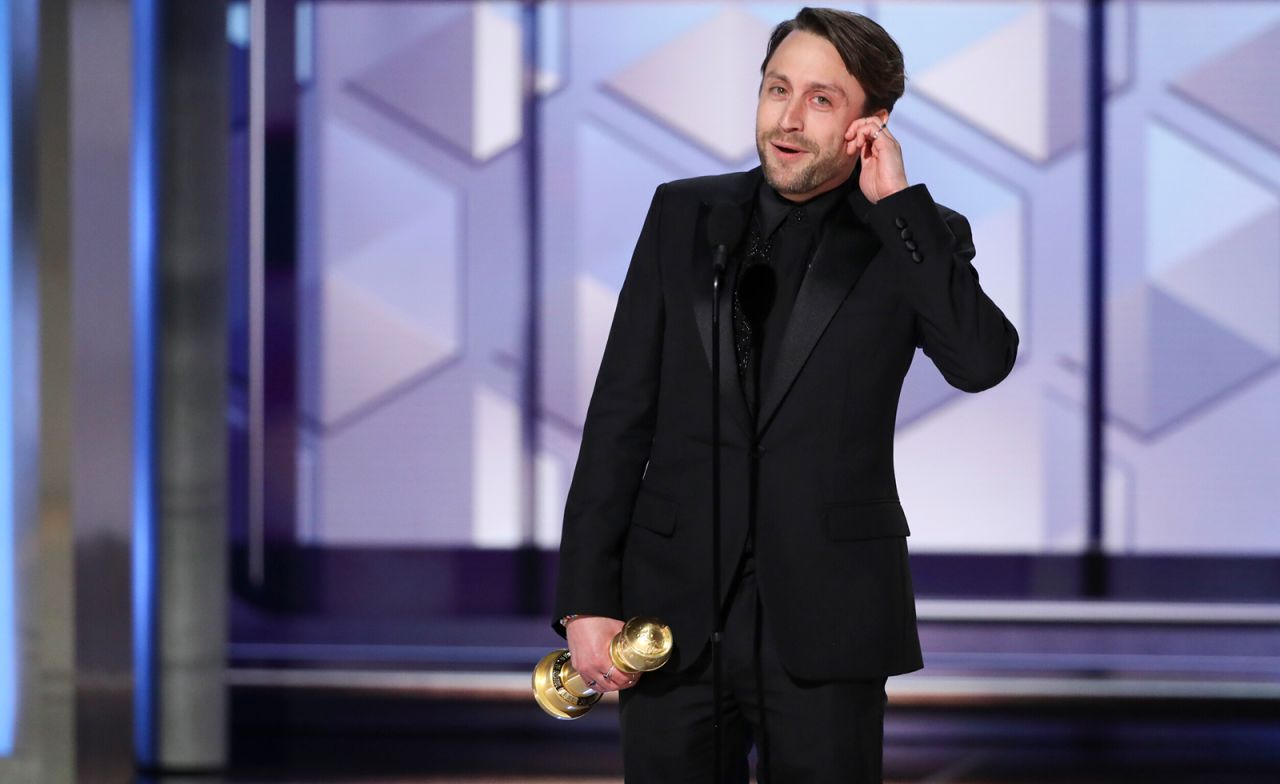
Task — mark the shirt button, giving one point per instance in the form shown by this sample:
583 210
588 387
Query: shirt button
911 245
916 257
900 222
906 234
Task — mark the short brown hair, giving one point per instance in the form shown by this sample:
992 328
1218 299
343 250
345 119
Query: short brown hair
870 55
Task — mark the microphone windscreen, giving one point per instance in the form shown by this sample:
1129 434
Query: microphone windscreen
756 292
725 225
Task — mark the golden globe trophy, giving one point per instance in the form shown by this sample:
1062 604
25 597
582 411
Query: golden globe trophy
643 645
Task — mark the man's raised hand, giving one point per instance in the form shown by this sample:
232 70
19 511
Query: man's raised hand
883 173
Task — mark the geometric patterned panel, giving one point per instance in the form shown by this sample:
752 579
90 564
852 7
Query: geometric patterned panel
413 251
1209 234
1235 282
992 121
496 470
1241 85
389 293
609 216
387 479
715 106
1022 83
576 325
1210 315
481 54
1193 311
414 248
1168 359
932 31
584 280
412 304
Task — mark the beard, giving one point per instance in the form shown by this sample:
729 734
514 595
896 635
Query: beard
821 167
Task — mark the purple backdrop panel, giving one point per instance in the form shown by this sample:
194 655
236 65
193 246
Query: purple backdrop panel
412 277
415 250
1193 282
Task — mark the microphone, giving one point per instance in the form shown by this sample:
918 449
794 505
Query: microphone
724 231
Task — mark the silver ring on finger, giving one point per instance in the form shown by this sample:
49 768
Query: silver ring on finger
609 673
591 684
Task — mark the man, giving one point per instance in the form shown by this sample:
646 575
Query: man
816 582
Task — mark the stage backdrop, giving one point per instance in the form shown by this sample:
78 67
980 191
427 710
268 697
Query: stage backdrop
421 236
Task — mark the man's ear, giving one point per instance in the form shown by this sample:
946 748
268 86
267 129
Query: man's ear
882 115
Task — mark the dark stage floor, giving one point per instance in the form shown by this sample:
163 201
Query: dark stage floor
1045 695
319 737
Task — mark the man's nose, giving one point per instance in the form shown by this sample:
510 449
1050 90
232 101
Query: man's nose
793 116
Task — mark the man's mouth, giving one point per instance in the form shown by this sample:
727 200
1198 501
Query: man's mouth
788 151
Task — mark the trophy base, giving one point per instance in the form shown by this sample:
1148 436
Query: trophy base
550 693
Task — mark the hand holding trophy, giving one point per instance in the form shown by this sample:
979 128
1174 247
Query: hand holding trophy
643 645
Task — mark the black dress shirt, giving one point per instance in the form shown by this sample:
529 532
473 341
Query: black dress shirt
790 232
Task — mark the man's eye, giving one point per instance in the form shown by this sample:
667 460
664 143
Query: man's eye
777 89
823 100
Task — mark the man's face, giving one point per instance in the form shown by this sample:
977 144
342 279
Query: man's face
807 101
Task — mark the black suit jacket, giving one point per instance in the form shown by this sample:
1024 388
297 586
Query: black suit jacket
831 555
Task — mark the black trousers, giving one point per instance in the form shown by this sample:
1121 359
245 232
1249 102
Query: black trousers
802 731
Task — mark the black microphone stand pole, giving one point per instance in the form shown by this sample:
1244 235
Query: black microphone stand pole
724 228
717 628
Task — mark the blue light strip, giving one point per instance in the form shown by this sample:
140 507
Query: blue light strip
143 201
8 576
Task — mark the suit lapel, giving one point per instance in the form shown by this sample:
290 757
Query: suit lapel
740 190
844 251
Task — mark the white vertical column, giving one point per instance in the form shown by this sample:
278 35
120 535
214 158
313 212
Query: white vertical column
190 604
103 220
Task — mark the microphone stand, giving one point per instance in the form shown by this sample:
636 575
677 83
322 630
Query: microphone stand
757 288
725 227
717 630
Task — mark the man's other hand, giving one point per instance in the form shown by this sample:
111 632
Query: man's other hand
589 637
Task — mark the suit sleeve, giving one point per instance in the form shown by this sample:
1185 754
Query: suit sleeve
616 438
959 327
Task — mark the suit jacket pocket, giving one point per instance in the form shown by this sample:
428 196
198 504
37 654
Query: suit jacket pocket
654 512
865 520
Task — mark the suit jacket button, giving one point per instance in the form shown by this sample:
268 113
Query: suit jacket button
916 257
900 222
758 449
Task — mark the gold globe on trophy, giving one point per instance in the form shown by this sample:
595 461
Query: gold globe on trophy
643 645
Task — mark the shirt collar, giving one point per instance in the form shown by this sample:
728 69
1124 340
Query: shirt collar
774 209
